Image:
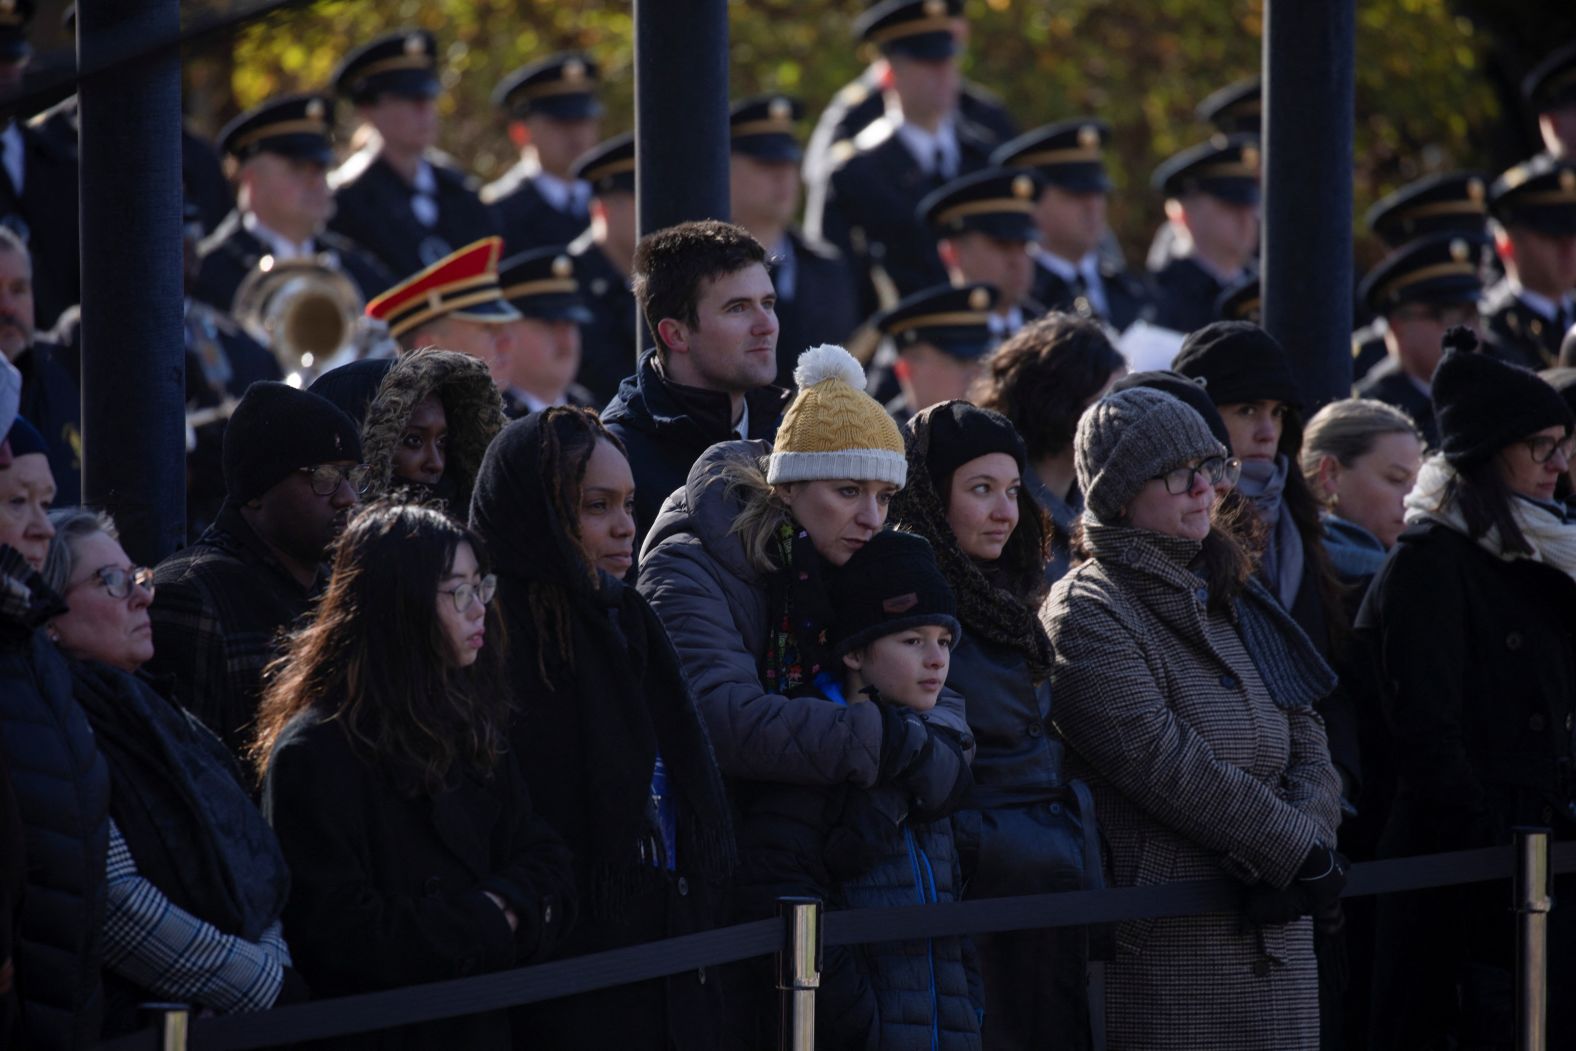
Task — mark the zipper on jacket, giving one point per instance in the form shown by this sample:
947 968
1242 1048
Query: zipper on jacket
927 896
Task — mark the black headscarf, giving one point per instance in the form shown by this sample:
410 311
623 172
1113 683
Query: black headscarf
597 685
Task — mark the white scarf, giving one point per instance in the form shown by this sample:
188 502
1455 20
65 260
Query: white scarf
1552 538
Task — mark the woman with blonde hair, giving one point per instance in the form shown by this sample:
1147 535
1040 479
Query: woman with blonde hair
1361 458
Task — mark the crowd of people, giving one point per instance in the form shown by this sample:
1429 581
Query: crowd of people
511 645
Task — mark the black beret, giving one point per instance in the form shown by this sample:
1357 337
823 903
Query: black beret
1238 361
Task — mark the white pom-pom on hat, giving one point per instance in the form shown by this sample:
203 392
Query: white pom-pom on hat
827 362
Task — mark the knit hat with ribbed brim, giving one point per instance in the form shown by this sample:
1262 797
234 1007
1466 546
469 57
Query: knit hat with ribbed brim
833 429
1484 404
890 585
1129 437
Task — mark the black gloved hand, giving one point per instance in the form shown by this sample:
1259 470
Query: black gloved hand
1316 887
903 739
924 760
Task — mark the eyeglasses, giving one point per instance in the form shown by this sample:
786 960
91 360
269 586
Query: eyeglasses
117 582
466 594
1544 447
327 476
1217 470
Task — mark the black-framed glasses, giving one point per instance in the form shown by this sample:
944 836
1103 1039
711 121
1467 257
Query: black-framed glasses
117 582
1543 447
327 476
466 594
1217 470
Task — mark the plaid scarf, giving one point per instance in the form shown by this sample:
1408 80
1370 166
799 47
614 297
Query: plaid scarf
796 649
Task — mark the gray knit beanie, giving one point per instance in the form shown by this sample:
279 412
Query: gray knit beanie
1129 437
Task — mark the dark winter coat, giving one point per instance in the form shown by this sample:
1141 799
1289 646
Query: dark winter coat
1477 656
855 848
1185 295
1197 772
372 208
389 884
665 428
588 729
219 611
61 787
1128 295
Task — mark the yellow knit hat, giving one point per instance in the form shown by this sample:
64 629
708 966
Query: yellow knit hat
833 429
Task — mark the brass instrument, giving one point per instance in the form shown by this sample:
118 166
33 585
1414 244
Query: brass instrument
309 314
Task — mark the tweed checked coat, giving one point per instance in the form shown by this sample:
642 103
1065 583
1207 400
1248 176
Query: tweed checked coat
1196 773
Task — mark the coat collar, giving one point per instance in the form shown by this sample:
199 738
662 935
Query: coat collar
1163 558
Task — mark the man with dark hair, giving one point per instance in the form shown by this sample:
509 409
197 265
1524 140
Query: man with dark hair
705 292
292 473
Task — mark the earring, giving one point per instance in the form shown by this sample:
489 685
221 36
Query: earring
52 634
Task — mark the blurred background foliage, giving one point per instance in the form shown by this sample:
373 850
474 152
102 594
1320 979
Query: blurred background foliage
1436 79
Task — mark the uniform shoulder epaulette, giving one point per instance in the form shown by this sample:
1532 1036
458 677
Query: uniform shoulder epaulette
353 168
874 134
852 93
841 153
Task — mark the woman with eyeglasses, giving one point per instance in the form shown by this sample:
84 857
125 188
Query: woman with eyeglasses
196 883
1185 694
605 728
1473 623
415 854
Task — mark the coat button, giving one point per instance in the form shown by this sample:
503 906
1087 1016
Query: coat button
683 887
1130 555
1036 728
1513 641
1535 723
547 913
700 975
1570 722
1229 681
1202 594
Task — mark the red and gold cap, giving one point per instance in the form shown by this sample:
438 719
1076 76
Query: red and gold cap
463 284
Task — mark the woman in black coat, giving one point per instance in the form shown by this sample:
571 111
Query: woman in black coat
1024 830
1473 620
414 853
605 728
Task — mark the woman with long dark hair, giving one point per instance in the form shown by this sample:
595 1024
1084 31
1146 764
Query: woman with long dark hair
604 727
1023 829
383 743
1473 621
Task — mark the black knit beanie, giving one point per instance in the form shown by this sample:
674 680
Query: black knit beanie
1484 404
352 387
960 432
275 430
1238 361
1183 389
891 584
24 438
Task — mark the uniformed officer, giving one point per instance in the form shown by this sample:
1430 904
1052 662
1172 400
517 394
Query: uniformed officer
1420 290
544 343
397 197
38 182
280 152
1447 203
554 117
457 304
1550 91
50 398
1236 109
863 100
816 300
918 144
1212 195
1526 314
985 225
942 335
603 256
1240 302
1072 271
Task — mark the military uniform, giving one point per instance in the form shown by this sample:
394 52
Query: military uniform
406 226
52 402
1521 326
1386 382
1069 155
610 341
953 320
533 209
232 252
1225 167
541 284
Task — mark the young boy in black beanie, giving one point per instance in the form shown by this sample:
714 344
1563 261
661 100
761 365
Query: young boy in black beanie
881 846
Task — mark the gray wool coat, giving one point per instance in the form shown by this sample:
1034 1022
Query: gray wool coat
1197 773
714 605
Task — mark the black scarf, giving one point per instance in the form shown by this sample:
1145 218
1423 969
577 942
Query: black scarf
800 616
178 799
589 724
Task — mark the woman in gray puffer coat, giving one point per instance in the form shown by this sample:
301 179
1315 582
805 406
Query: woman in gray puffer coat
1186 696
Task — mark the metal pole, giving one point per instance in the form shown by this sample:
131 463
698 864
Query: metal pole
1532 904
171 1022
799 972
681 111
1309 87
133 352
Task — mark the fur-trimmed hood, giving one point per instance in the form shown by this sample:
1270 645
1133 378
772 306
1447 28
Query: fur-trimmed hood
471 403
